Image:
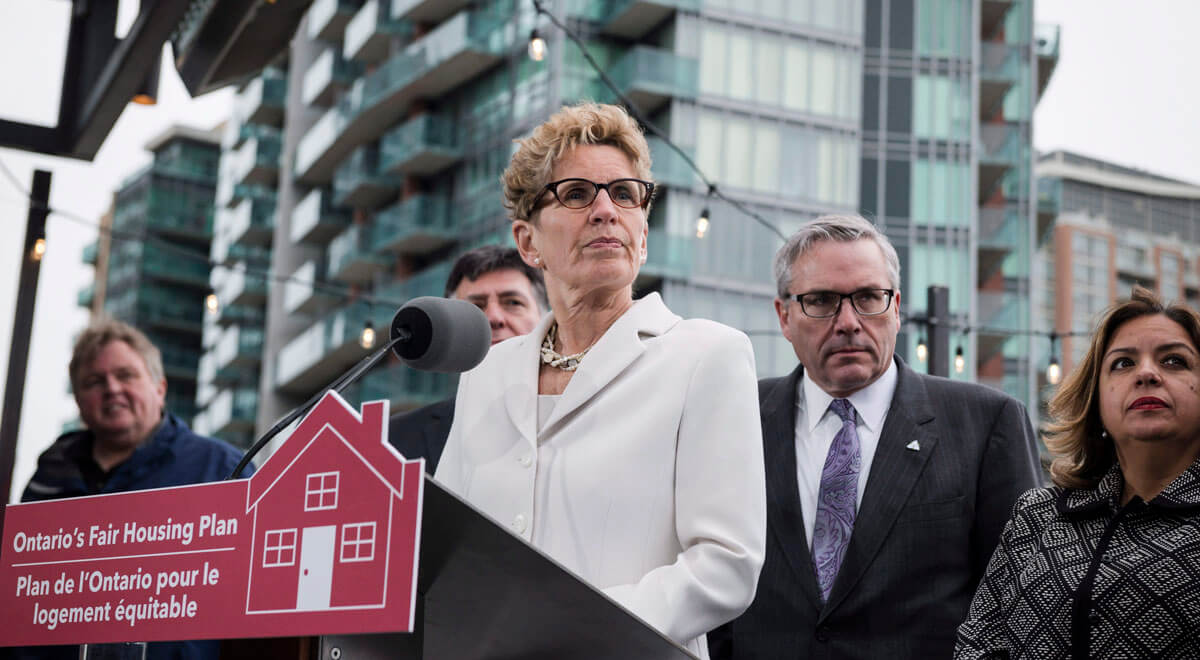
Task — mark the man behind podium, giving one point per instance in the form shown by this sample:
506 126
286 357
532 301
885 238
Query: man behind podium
886 489
513 296
131 443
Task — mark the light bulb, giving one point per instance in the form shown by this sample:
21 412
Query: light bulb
960 362
922 350
702 223
367 339
39 249
1054 372
211 303
537 47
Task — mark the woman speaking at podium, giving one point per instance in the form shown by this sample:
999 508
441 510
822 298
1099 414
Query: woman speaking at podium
618 438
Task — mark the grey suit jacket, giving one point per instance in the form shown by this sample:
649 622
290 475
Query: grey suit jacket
928 524
422 433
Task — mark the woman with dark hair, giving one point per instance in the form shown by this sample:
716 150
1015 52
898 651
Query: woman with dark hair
1106 563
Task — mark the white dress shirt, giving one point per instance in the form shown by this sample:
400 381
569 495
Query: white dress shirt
815 433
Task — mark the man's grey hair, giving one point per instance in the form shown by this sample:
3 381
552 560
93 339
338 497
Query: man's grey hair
840 228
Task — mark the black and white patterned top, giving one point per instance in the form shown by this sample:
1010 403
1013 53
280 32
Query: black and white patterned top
1078 576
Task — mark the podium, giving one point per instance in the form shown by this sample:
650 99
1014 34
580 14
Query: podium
486 594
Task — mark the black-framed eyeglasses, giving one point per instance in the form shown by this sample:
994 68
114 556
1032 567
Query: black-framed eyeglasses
580 193
824 304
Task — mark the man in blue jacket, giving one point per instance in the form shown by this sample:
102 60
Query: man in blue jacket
131 443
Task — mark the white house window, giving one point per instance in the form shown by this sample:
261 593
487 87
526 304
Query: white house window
321 491
358 542
279 549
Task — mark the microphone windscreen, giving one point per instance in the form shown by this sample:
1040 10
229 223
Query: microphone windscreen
446 335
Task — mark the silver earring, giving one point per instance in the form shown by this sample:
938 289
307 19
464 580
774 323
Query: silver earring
1103 433
537 260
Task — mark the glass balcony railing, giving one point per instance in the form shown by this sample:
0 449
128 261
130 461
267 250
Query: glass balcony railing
248 315
157 308
327 19
999 229
429 282
328 74
1003 312
422 145
243 288
179 361
650 76
371 30
172 266
667 255
1000 144
416 225
257 161
236 133
1049 195
86 295
632 19
999 70
430 12
351 259
252 222
359 181
402 386
313 152
262 100
1046 40
186 212
90 251
669 168
327 348
316 220
233 410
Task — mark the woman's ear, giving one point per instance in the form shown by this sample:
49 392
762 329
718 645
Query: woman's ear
523 235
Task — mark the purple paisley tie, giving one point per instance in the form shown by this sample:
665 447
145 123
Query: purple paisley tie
836 501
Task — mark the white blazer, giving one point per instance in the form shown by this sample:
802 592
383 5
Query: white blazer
647 479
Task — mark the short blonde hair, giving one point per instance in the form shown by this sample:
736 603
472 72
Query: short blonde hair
103 332
533 164
1082 454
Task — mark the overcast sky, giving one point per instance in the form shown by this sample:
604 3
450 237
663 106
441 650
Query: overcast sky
1120 93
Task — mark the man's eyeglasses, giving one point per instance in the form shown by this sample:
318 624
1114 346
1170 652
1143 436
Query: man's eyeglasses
824 304
580 193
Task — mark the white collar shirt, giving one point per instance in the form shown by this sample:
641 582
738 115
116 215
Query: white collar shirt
815 433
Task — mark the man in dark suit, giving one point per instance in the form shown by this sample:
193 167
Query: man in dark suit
887 489
513 296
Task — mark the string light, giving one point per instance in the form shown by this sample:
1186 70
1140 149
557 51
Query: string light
367 338
960 362
922 349
702 223
211 303
1054 369
39 249
537 47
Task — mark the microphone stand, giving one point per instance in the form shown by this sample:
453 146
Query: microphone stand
340 383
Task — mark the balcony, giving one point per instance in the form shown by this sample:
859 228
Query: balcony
1049 194
650 77
633 19
670 169
429 282
999 149
247 315
351 259
452 53
240 347
315 219
242 288
359 181
326 76
999 236
182 213
417 225
172 267
999 70
252 222
90 251
420 146
327 19
262 100
306 291
179 363
236 133
667 255
327 348
1045 40
233 411
165 310
371 31
430 12
86 295
256 161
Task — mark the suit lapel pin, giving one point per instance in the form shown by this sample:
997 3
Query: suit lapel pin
913 446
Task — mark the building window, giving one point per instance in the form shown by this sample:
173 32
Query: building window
358 542
321 491
279 549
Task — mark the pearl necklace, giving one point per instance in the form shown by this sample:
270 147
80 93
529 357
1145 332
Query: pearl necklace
556 359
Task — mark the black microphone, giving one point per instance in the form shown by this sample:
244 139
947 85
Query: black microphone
428 333
441 334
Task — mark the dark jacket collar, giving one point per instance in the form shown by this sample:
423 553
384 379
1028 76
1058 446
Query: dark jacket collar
1182 493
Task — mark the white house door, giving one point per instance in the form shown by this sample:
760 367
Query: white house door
316 567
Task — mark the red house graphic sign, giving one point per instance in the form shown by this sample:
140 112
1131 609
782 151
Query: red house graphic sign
323 539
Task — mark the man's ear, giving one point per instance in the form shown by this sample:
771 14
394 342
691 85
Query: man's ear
782 311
